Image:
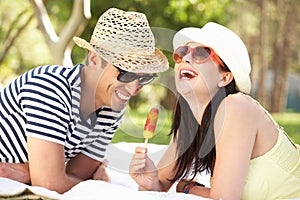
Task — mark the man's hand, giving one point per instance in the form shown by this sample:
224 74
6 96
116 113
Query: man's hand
15 171
101 174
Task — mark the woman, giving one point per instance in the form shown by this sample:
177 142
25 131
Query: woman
219 128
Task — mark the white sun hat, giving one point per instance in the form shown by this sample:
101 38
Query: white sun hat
125 40
227 45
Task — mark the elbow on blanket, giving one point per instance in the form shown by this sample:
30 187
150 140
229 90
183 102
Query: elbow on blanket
56 185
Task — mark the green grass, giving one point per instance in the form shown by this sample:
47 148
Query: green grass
291 124
133 123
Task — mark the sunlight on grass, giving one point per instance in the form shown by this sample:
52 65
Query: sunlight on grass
291 124
132 128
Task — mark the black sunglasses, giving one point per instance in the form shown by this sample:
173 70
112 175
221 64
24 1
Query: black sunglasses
127 77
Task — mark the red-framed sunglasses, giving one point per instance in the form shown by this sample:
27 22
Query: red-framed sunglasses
200 54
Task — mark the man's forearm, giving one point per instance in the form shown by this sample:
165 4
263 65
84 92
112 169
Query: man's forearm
60 183
82 167
15 171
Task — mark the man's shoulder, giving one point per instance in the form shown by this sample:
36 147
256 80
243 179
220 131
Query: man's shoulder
56 70
55 75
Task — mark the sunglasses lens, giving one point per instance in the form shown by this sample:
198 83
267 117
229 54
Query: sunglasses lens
179 53
145 80
127 77
200 54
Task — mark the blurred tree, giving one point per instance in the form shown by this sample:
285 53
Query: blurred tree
13 32
262 53
15 18
285 22
272 40
61 45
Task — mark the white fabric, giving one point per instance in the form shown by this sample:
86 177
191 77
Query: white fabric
14 188
122 185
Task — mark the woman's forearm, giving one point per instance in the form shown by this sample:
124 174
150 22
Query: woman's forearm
200 191
156 186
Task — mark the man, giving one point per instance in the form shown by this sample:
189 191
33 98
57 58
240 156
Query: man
56 122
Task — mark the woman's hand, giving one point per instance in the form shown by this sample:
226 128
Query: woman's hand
101 174
143 170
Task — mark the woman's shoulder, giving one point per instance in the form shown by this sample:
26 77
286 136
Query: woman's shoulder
240 102
240 109
239 112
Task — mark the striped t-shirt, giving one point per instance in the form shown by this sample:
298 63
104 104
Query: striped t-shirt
45 103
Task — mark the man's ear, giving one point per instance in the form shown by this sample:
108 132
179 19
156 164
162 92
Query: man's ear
96 60
93 59
226 78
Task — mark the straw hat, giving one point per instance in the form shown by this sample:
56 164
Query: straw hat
125 40
227 45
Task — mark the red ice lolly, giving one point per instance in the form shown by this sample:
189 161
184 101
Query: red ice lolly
150 124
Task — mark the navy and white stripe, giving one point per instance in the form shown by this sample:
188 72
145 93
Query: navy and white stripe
45 103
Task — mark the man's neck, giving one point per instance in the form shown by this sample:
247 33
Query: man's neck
87 96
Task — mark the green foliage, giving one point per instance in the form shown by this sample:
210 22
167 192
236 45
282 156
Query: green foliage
150 95
167 14
28 48
197 12
60 12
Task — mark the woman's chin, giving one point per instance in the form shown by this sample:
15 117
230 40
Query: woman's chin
187 93
184 88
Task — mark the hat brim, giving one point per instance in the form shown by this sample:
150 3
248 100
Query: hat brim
137 62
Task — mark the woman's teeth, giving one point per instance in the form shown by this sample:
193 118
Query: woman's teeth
187 74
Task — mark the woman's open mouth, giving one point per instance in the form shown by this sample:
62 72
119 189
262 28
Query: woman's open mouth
187 74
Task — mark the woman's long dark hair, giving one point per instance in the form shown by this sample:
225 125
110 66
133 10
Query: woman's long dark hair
196 143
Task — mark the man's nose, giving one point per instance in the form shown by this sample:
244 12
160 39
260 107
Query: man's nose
133 87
